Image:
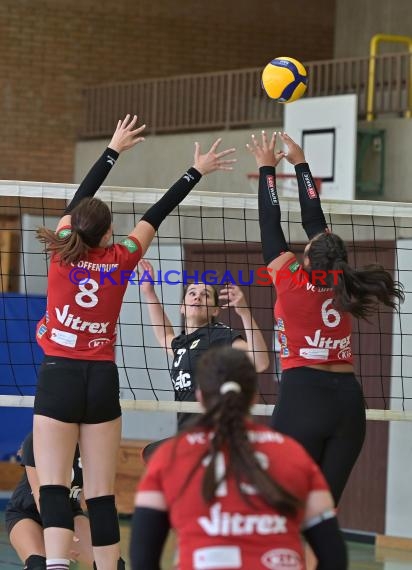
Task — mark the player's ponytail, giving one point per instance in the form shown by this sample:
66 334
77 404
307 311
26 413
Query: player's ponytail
228 382
357 291
90 220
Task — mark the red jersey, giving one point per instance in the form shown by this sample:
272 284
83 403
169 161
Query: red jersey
81 316
230 533
311 330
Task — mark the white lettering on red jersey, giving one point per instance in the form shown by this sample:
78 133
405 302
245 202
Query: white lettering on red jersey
81 316
311 330
219 523
230 532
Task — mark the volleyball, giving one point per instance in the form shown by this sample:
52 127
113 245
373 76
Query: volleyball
284 79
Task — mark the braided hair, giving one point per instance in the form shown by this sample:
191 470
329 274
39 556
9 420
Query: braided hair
228 382
357 291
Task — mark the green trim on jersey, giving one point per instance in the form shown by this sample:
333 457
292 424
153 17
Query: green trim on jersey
294 266
64 233
130 245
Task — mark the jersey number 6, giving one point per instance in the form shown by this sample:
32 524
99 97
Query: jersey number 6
330 317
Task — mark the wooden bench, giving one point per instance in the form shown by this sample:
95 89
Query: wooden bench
10 475
130 467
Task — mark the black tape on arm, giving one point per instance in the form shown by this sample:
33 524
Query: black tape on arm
327 543
176 194
313 218
271 233
149 532
94 178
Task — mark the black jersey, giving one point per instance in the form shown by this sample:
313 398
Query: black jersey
187 349
22 498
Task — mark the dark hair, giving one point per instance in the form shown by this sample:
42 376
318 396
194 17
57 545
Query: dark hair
357 291
225 415
215 291
215 296
90 220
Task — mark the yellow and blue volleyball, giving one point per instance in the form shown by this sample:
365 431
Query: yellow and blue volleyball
284 79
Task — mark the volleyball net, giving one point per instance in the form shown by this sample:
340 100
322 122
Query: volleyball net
215 239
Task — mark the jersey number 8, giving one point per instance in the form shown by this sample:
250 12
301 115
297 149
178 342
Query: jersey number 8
86 296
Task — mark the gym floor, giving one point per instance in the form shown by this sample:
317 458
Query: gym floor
362 556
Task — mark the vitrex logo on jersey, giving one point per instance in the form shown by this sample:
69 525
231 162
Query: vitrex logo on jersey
282 559
77 324
319 341
220 523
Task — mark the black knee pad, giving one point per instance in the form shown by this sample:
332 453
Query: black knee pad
35 562
104 524
55 507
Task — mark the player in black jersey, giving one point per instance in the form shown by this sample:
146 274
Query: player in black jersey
200 309
22 517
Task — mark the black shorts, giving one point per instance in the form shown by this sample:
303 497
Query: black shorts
325 412
78 391
13 515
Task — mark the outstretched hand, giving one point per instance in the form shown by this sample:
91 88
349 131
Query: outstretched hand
126 136
232 296
146 269
264 152
294 154
212 160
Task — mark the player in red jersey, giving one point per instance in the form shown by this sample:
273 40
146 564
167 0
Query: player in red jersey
320 402
238 494
77 395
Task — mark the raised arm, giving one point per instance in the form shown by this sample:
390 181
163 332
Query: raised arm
313 219
203 164
161 324
274 247
125 136
255 344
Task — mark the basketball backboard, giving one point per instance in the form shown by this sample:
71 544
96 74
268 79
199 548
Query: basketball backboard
326 129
